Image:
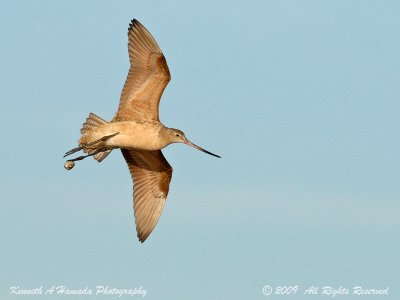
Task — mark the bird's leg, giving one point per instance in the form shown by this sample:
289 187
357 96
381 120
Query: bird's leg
103 139
91 154
69 164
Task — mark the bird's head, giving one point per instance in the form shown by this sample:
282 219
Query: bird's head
178 136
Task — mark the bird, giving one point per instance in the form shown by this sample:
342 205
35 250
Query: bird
137 131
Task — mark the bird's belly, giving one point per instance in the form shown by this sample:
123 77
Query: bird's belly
136 135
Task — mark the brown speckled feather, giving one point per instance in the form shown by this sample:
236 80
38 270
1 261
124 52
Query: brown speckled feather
151 174
147 78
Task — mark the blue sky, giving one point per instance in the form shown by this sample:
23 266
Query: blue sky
301 100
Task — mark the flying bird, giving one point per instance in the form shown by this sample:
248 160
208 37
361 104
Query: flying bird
136 130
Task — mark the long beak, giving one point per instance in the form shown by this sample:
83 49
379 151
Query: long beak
187 142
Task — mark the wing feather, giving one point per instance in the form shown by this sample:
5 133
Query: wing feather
147 78
151 174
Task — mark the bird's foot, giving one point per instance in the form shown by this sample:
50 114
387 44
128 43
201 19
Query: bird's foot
103 139
69 164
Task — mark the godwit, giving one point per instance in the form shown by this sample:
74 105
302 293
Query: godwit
136 130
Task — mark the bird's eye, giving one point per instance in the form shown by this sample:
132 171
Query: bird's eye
177 134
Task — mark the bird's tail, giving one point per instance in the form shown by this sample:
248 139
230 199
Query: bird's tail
91 123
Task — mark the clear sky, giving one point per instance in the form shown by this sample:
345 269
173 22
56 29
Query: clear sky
301 100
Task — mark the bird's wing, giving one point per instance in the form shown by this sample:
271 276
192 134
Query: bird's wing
151 174
147 78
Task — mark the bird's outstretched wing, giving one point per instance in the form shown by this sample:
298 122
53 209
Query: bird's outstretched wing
147 78
151 174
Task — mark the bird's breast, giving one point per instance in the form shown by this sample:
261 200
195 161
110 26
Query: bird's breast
138 135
